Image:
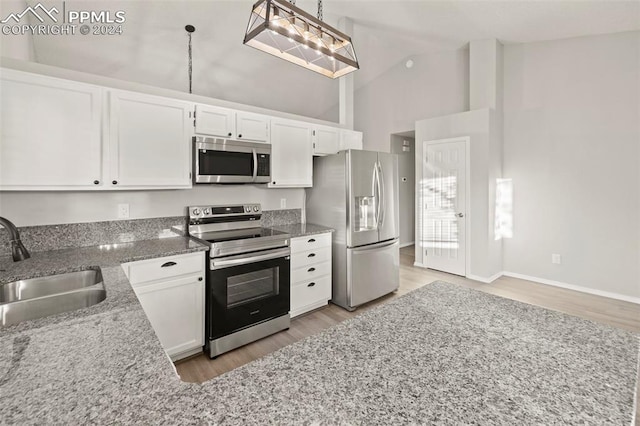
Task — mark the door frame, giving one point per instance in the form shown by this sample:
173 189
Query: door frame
467 184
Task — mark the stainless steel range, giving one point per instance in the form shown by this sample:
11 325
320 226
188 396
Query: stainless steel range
247 287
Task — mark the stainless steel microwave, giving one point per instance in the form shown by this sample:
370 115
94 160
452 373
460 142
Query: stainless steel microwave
229 161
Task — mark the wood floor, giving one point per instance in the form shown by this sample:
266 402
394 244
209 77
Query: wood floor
609 311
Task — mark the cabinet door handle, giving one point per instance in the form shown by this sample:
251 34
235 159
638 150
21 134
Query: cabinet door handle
96 182
311 269
239 136
199 278
312 240
229 133
311 255
115 182
167 264
311 284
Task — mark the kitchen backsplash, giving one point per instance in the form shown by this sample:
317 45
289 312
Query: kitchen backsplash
54 237
280 217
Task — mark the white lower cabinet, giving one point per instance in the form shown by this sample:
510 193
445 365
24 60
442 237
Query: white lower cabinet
310 273
171 291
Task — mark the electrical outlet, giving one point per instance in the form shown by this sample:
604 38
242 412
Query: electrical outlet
123 211
556 259
283 203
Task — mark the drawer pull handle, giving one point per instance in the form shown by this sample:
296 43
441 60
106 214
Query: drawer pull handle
311 255
167 264
311 240
311 284
311 269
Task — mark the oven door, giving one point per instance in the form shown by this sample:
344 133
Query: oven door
228 161
247 289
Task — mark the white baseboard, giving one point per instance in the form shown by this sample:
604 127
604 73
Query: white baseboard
484 279
407 244
581 289
488 280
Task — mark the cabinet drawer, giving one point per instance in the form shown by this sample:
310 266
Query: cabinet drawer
310 292
310 272
310 242
301 259
165 267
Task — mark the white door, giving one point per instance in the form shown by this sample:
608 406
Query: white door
291 154
444 194
149 141
50 133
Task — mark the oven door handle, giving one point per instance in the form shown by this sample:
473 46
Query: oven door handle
255 164
243 259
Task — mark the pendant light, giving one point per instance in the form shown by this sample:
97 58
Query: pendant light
284 30
190 29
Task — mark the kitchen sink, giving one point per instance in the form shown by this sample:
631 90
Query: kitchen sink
43 296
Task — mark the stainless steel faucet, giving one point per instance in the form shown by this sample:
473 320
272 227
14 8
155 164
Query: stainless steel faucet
18 251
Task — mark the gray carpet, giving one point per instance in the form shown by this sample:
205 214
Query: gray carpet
442 354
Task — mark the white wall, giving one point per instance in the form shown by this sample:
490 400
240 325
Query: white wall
15 46
436 85
572 147
49 208
406 184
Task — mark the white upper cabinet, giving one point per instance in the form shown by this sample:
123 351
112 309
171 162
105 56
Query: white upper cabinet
149 141
50 135
252 127
291 154
326 140
215 121
350 139
227 123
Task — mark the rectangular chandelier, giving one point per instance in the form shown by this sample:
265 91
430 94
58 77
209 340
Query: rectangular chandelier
288 32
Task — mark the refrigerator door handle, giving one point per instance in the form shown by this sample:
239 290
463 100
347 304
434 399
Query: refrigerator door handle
376 246
381 191
375 183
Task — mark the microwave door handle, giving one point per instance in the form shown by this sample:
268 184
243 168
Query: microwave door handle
255 164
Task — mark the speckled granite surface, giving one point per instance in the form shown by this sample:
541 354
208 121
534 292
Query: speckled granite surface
442 354
272 218
302 229
70 235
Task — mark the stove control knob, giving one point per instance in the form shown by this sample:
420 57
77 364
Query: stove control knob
256 208
205 212
196 211
247 209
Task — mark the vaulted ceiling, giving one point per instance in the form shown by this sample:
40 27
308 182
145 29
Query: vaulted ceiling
153 46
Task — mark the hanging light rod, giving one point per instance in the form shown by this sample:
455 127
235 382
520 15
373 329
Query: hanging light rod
288 32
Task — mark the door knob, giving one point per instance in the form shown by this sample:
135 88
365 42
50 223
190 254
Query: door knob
460 214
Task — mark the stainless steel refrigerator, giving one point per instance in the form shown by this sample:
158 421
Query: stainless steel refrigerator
356 193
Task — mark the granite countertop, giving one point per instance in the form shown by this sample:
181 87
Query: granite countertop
302 229
98 364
